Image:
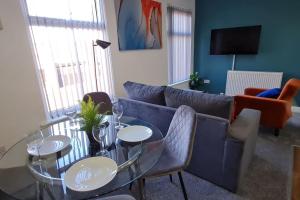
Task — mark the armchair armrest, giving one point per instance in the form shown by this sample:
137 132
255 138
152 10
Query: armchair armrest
253 91
261 103
274 111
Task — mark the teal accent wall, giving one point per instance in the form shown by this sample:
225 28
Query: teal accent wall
279 43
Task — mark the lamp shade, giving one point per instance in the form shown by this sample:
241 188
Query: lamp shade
103 44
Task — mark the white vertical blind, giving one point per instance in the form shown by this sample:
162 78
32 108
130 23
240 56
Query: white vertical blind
62 33
180 44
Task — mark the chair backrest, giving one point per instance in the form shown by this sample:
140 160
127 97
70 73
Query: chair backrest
181 134
100 98
290 90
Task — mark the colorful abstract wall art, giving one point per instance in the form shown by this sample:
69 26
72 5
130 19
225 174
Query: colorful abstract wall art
139 24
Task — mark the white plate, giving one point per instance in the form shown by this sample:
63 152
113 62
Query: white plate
90 174
50 145
134 133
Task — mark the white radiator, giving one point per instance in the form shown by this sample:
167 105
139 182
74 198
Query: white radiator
238 81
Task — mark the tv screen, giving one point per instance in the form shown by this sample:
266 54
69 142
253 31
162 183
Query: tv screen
239 40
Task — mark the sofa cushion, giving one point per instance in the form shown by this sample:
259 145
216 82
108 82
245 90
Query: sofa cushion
211 104
146 93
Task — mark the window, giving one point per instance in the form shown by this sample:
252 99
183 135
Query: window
63 32
180 44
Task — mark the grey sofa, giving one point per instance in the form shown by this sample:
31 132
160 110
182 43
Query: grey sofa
222 150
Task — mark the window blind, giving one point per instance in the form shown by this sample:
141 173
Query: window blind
180 44
62 33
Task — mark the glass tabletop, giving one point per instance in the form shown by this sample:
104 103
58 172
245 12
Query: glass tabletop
44 178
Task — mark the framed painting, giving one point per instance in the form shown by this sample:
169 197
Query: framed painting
139 24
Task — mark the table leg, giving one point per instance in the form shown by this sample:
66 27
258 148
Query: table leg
39 191
141 189
49 192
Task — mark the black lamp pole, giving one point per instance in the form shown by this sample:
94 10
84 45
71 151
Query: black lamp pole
103 45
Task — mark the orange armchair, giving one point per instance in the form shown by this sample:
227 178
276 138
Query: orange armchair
274 112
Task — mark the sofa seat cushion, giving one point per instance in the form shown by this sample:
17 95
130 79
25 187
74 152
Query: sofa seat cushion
145 93
211 104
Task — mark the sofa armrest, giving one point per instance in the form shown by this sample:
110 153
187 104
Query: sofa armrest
159 116
246 122
240 146
245 128
253 91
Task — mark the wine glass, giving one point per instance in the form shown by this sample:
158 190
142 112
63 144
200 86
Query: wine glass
114 99
99 133
118 112
71 113
34 143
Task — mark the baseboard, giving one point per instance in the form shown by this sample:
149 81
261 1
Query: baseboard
296 109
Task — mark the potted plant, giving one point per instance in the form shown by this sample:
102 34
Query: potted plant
90 118
195 81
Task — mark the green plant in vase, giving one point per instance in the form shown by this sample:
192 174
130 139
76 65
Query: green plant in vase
90 117
195 81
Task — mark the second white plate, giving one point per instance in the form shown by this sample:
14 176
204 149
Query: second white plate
50 145
134 133
90 174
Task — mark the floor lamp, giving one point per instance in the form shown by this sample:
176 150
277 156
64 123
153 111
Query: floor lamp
103 45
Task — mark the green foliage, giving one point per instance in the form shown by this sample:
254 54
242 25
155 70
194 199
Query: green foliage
195 81
89 115
194 77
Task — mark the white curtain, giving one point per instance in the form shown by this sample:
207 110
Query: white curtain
62 33
180 44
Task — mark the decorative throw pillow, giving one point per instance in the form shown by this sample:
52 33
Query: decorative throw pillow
211 104
145 93
272 93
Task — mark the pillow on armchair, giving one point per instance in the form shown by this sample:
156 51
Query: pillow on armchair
145 93
272 93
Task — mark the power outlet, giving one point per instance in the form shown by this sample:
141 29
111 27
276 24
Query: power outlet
206 81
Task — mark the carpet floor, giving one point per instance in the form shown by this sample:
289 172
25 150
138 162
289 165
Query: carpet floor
266 178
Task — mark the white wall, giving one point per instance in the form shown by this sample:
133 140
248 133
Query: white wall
144 66
21 103
21 108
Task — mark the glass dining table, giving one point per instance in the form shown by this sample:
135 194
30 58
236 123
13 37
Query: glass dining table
23 176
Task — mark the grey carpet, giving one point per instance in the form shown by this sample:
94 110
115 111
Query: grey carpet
266 178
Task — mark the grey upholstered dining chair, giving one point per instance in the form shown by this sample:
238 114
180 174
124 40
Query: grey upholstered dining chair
178 148
117 197
100 97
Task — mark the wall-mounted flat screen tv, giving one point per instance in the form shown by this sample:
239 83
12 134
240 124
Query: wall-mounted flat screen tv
239 40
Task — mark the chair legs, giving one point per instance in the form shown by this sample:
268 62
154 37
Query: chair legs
182 186
141 183
171 179
276 132
130 186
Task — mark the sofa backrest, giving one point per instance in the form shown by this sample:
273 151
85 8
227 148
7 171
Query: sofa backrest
145 93
210 104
